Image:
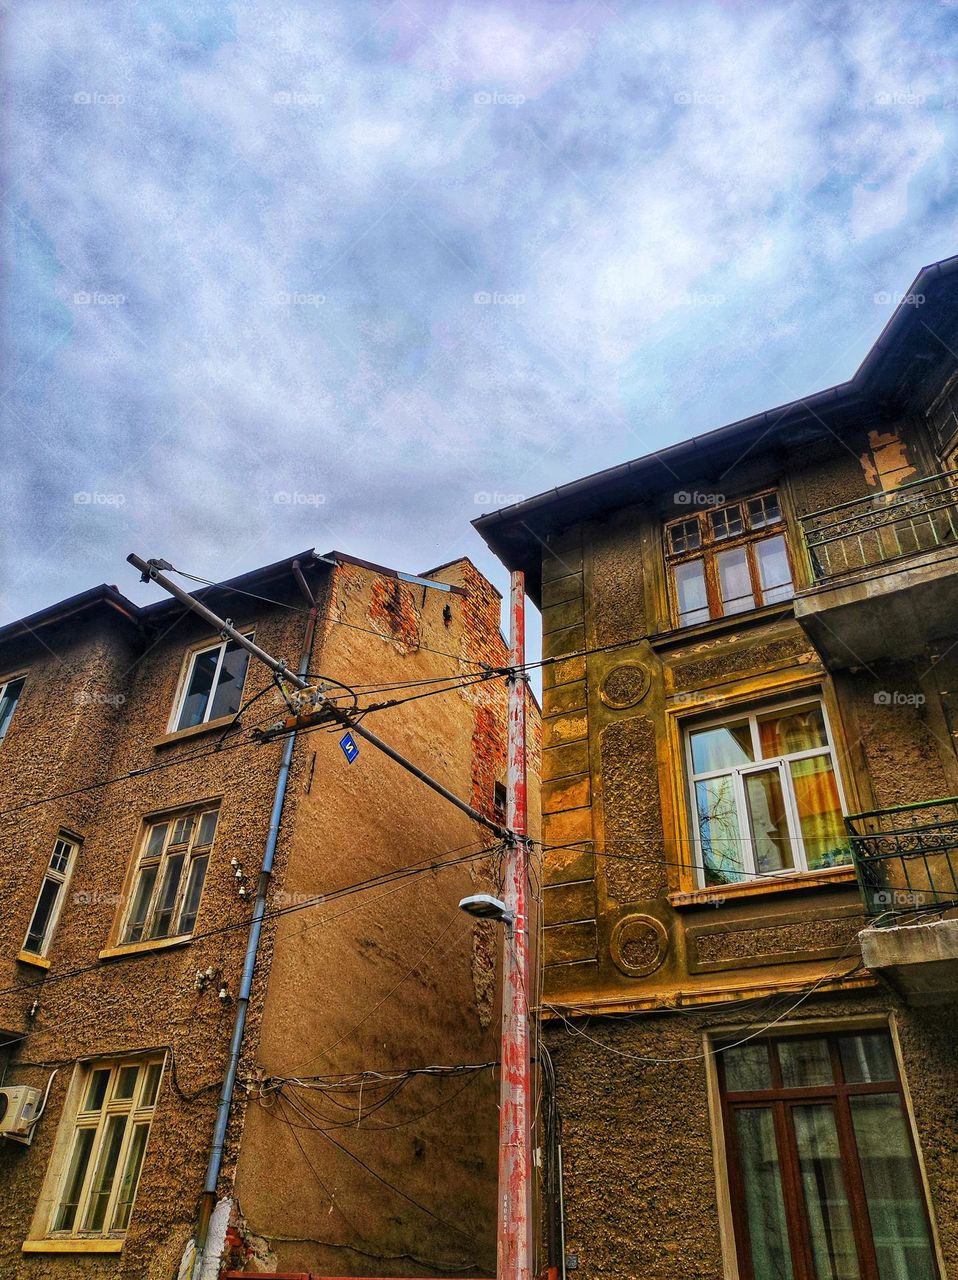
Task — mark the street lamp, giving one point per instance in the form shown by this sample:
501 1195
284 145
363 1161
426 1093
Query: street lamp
485 907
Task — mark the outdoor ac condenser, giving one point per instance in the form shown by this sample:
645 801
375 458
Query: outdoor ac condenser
18 1110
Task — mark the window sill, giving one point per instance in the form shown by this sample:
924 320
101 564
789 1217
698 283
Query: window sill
28 957
195 731
72 1246
138 948
715 895
717 626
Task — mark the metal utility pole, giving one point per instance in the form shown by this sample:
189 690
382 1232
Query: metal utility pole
514 1227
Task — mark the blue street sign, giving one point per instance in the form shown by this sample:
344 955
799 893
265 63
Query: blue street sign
350 749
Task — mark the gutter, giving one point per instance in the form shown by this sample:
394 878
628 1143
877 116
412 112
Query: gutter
847 394
224 1107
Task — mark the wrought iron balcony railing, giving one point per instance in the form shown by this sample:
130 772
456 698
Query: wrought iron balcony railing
906 858
915 518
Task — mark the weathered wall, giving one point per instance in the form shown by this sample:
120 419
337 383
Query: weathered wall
638 1152
95 706
626 927
415 979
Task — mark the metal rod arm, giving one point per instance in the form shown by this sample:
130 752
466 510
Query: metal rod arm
344 719
150 571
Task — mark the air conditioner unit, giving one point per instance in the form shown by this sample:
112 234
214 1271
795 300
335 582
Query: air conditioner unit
18 1110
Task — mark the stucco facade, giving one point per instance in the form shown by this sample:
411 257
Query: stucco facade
660 956
349 984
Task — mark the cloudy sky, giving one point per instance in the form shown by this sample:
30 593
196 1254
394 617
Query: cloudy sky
347 275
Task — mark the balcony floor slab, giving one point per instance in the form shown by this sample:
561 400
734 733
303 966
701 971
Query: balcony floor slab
919 960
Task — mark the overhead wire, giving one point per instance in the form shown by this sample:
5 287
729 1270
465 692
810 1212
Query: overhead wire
401 874
328 619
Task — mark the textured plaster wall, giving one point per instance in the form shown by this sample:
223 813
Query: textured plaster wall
639 1166
414 980
96 705
626 928
97 700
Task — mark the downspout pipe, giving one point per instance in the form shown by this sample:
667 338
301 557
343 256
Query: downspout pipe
208 1198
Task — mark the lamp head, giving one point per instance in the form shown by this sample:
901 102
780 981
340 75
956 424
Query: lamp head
485 907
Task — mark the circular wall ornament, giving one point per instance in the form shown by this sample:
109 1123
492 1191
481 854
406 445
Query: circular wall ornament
624 686
639 945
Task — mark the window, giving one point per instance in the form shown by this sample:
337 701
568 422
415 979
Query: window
728 560
823 1172
213 685
50 899
168 880
500 800
10 691
765 794
102 1167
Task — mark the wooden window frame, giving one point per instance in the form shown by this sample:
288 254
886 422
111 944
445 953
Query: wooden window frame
4 685
60 878
751 713
75 1120
779 1100
186 674
709 548
190 850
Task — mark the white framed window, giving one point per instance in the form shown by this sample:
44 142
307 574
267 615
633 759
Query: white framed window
103 1158
213 686
52 893
169 874
766 796
10 691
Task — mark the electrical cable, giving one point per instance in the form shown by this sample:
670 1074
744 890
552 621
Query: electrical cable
438 1266
401 874
571 1028
189 758
206 582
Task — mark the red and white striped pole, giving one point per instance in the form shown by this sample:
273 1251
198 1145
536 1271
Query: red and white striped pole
514 1242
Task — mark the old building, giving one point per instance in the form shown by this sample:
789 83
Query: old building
136 811
751 964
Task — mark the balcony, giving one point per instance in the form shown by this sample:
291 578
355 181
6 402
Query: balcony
906 860
884 573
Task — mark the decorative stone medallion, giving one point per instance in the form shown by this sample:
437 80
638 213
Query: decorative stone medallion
624 686
639 945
